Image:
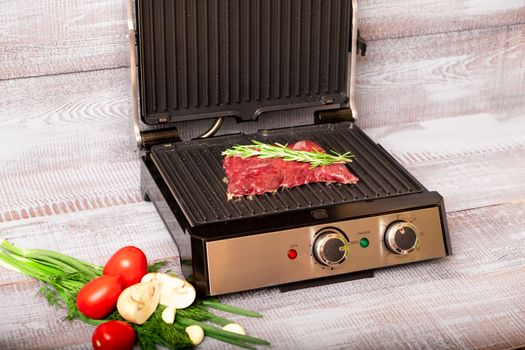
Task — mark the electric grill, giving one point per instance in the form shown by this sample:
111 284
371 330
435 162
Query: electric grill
233 64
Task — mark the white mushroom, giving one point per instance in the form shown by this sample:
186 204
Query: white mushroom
138 302
168 315
161 278
196 334
235 328
174 292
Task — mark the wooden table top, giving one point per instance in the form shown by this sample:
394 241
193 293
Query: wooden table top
455 118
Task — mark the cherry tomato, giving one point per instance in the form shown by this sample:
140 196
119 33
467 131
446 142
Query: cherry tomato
98 297
129 263
113 335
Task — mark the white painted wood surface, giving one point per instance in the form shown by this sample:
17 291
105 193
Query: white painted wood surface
444 75
67 144
59 36
473 161
385 19
442 88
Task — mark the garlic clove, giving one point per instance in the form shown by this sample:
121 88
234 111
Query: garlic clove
234 328
168 315
196 334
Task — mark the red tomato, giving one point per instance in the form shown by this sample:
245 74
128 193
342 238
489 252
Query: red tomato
113 335
129 263
98 297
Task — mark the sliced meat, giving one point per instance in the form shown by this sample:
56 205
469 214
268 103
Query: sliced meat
255 178
252 176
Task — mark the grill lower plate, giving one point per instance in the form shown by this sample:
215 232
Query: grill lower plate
193 171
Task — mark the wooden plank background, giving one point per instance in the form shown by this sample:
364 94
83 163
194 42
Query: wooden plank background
442 87
384 19
61 36
410 79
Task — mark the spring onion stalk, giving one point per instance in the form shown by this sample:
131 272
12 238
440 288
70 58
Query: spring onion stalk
234 342
47 257
213 318
228 308
214 332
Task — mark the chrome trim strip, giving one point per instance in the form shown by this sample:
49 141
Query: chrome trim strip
134 78
353 61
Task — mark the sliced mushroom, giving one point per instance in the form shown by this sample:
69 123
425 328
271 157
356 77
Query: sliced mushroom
196 334
174 292
138 302
141 292
161 278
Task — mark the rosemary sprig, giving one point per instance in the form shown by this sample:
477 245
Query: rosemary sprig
263 150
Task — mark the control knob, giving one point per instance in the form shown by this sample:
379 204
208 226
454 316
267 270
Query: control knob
401 237
330 247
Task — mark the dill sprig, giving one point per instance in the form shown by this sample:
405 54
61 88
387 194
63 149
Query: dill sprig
157 332
51 295
277 150
156 266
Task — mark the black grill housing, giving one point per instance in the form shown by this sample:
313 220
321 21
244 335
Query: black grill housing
201 59
209 58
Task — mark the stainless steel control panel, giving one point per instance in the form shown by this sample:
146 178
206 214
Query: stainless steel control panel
324 250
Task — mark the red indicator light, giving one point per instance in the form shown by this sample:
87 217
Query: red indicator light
292 254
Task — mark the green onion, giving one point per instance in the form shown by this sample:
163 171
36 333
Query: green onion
233 342
213 318
213 331
228 308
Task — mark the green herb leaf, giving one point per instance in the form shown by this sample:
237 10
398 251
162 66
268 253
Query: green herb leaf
263 150
156 266
156 332
50 294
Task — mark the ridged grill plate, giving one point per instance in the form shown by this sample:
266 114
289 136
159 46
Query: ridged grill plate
193 171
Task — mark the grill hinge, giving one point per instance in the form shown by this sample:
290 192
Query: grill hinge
360 45
151 138
334 116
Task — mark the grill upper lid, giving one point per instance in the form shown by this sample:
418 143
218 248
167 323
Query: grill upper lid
200 59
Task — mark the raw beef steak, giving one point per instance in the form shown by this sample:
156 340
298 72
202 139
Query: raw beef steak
249 176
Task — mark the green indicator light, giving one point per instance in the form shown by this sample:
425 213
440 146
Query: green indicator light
363 242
